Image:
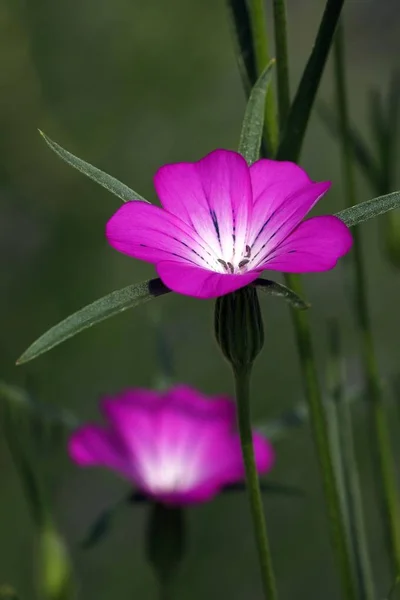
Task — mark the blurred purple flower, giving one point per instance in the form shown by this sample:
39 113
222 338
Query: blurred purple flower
223 223
178 447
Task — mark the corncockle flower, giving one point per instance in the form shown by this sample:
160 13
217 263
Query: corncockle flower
178 447
223 223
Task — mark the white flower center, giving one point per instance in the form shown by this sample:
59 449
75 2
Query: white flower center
169 473
237 264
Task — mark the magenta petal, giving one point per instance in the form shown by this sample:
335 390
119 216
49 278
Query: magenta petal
315 245
178 447
282 222
194 281
272 183
264 453
223 462
212 195
190 401
150 233
92 445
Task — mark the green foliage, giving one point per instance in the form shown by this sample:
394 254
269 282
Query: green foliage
297 122
32 438
370 209
242 35
365 159
107 181
272 288
253 122
108 306
103 523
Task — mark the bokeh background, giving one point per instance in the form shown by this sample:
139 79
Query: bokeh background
129 86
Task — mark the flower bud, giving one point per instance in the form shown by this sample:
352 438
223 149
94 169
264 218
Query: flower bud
238 326
55 577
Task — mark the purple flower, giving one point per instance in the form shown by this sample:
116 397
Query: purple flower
178 447
223 223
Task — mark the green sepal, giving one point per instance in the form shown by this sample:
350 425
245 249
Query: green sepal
165 540
238 326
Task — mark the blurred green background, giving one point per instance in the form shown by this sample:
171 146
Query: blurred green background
129 86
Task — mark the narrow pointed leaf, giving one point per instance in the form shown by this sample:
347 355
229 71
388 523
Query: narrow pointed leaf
365 160
253 122
103 523
243 39
102 309
294 132
99 528
370 209
273 288
107 181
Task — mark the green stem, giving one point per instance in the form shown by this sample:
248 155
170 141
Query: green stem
261 51
379 426
321 440
356 509
305 347
282 60
348 471
242 390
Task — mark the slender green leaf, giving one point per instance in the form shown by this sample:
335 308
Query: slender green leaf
241 25
365 160
99 529
102 309
370 209
107 181
253 122
273 288
294 132
102 525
